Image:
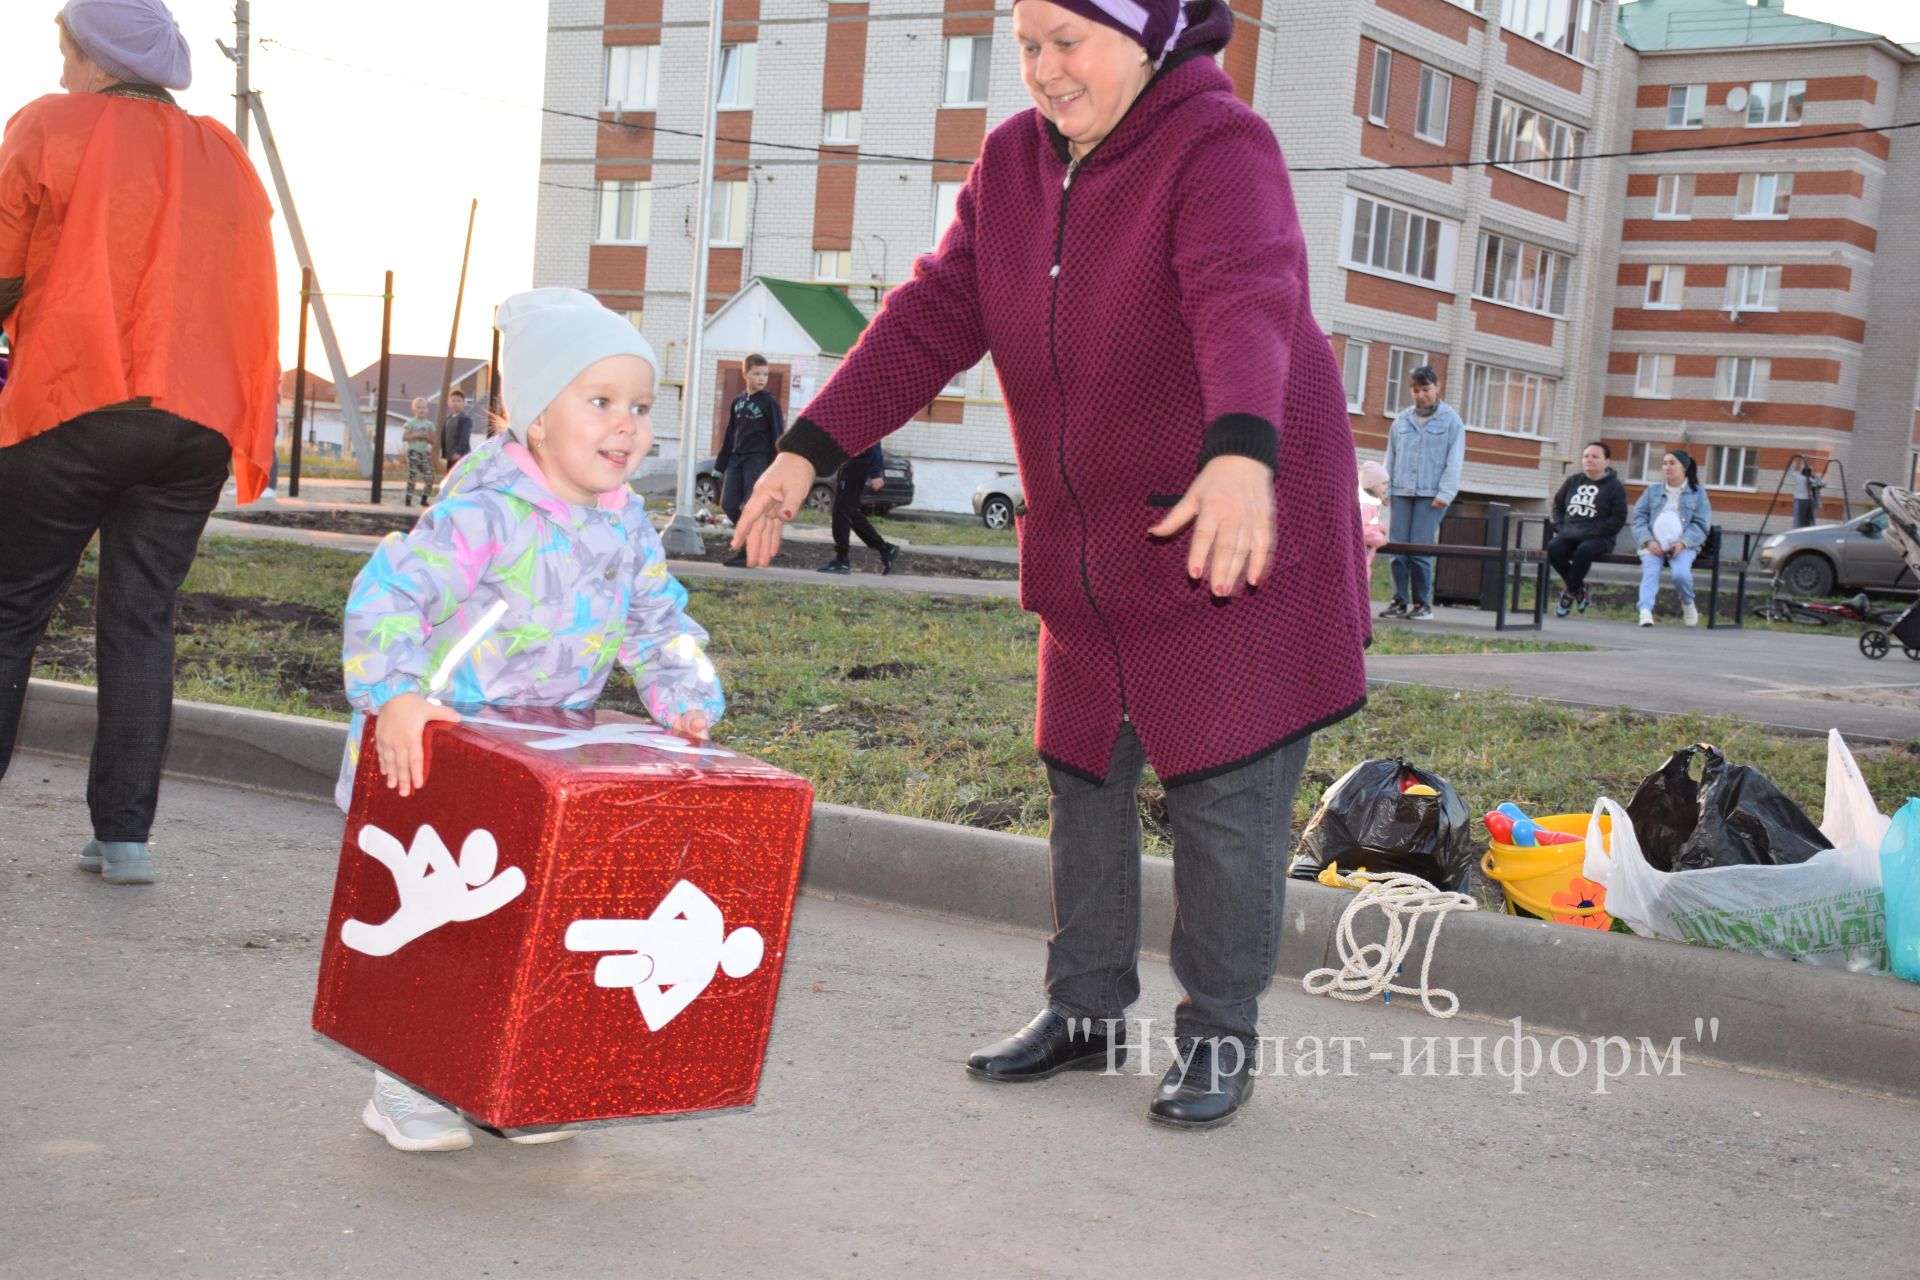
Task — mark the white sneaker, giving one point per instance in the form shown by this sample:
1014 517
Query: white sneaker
412 1122
544 1135
1646 617
1690 615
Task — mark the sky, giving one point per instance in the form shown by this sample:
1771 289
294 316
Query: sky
391 115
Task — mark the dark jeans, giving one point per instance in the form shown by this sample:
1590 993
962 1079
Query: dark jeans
1230 840
737 485
146 482
848 518
1572 557
1805 512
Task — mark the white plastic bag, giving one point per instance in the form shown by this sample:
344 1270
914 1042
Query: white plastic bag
1828 910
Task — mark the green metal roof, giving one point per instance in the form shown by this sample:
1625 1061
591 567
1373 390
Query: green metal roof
822 310
1665 26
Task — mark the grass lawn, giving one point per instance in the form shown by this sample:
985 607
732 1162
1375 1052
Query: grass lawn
923 705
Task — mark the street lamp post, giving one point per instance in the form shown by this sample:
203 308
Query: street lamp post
682 536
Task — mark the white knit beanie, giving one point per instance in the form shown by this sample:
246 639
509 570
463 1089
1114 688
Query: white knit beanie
547 336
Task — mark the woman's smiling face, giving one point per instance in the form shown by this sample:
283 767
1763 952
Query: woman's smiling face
1082 75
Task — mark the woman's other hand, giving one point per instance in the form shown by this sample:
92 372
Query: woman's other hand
1230 506
1652 548
398 732
778 495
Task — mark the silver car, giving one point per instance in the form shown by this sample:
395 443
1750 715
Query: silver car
999 500
1823 559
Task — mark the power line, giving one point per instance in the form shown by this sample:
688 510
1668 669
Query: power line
840 149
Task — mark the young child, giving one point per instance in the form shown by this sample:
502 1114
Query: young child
418 433
538 519
1373 501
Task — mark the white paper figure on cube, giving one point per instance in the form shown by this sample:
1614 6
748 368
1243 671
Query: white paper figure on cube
672 955
434 888
613 734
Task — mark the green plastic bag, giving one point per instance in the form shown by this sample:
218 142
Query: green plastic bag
1900 877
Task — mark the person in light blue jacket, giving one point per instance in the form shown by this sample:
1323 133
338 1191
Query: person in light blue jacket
1670 524
1426 447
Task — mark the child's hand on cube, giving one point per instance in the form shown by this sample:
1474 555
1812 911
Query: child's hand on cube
398 731
691 725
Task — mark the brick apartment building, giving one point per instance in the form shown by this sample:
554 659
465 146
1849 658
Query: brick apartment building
1562 298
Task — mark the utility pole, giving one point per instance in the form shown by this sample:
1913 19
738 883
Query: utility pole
242 56
349 406
380 408
682 536
459 297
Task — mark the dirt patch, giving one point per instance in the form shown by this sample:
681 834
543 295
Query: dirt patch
371 524
881 671
69 640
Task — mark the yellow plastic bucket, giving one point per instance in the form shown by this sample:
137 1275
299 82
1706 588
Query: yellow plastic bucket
1546 881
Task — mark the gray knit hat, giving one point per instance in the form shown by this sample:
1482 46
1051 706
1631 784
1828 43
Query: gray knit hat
547 336
134 41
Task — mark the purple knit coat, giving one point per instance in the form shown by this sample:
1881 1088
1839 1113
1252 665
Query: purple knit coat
1147 311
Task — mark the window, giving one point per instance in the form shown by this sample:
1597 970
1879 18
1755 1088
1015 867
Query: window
1742 378
841 126
633 77
1353 363
1566 25
728 225
1753 288
1537 145
1666 287
1436 92
635 318
1673 197
1396 241
1775 102
968 62
1730 467
625 212
1643 463
1763 195
1654 380
1382 75
1509 400
1686 106
1401 361
1522 275
832 264
946 199
737 66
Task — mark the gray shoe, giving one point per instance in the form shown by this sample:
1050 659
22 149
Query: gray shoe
412 1121
118 861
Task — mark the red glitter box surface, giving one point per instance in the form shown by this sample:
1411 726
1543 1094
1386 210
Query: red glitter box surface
688 860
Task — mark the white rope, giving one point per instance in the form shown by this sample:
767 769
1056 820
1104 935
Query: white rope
1368 970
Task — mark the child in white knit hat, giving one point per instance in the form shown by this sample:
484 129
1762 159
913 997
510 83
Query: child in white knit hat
535 535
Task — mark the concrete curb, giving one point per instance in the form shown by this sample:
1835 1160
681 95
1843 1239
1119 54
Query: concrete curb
1772 1016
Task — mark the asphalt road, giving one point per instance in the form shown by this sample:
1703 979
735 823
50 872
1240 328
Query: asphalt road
170 1114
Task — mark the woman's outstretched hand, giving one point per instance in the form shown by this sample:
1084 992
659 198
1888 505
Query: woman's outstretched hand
1230 506
778 496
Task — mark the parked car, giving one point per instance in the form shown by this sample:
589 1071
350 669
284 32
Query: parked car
896 492
999 500
1853 555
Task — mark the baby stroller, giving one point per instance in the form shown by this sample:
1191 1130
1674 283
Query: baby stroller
1903 532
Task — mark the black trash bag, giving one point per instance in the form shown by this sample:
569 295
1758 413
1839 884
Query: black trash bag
1365 822
1732 817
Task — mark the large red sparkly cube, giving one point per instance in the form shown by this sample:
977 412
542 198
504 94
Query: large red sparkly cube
579 917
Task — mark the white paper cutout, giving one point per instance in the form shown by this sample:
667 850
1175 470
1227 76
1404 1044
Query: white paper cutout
672 955
434 889
614 734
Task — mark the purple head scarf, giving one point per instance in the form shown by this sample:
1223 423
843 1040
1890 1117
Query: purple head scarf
135 41
1154 25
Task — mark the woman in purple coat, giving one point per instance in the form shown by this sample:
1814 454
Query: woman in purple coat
1129 255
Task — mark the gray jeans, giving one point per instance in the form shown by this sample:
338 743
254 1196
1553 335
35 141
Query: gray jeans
1230 838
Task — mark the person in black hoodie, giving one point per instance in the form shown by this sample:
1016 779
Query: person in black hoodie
1588 514
752 428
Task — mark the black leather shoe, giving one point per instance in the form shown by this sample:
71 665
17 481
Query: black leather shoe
1205 1095
1049 1045
887 558
738 560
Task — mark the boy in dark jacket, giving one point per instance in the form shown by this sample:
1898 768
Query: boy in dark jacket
1588 514
753 426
